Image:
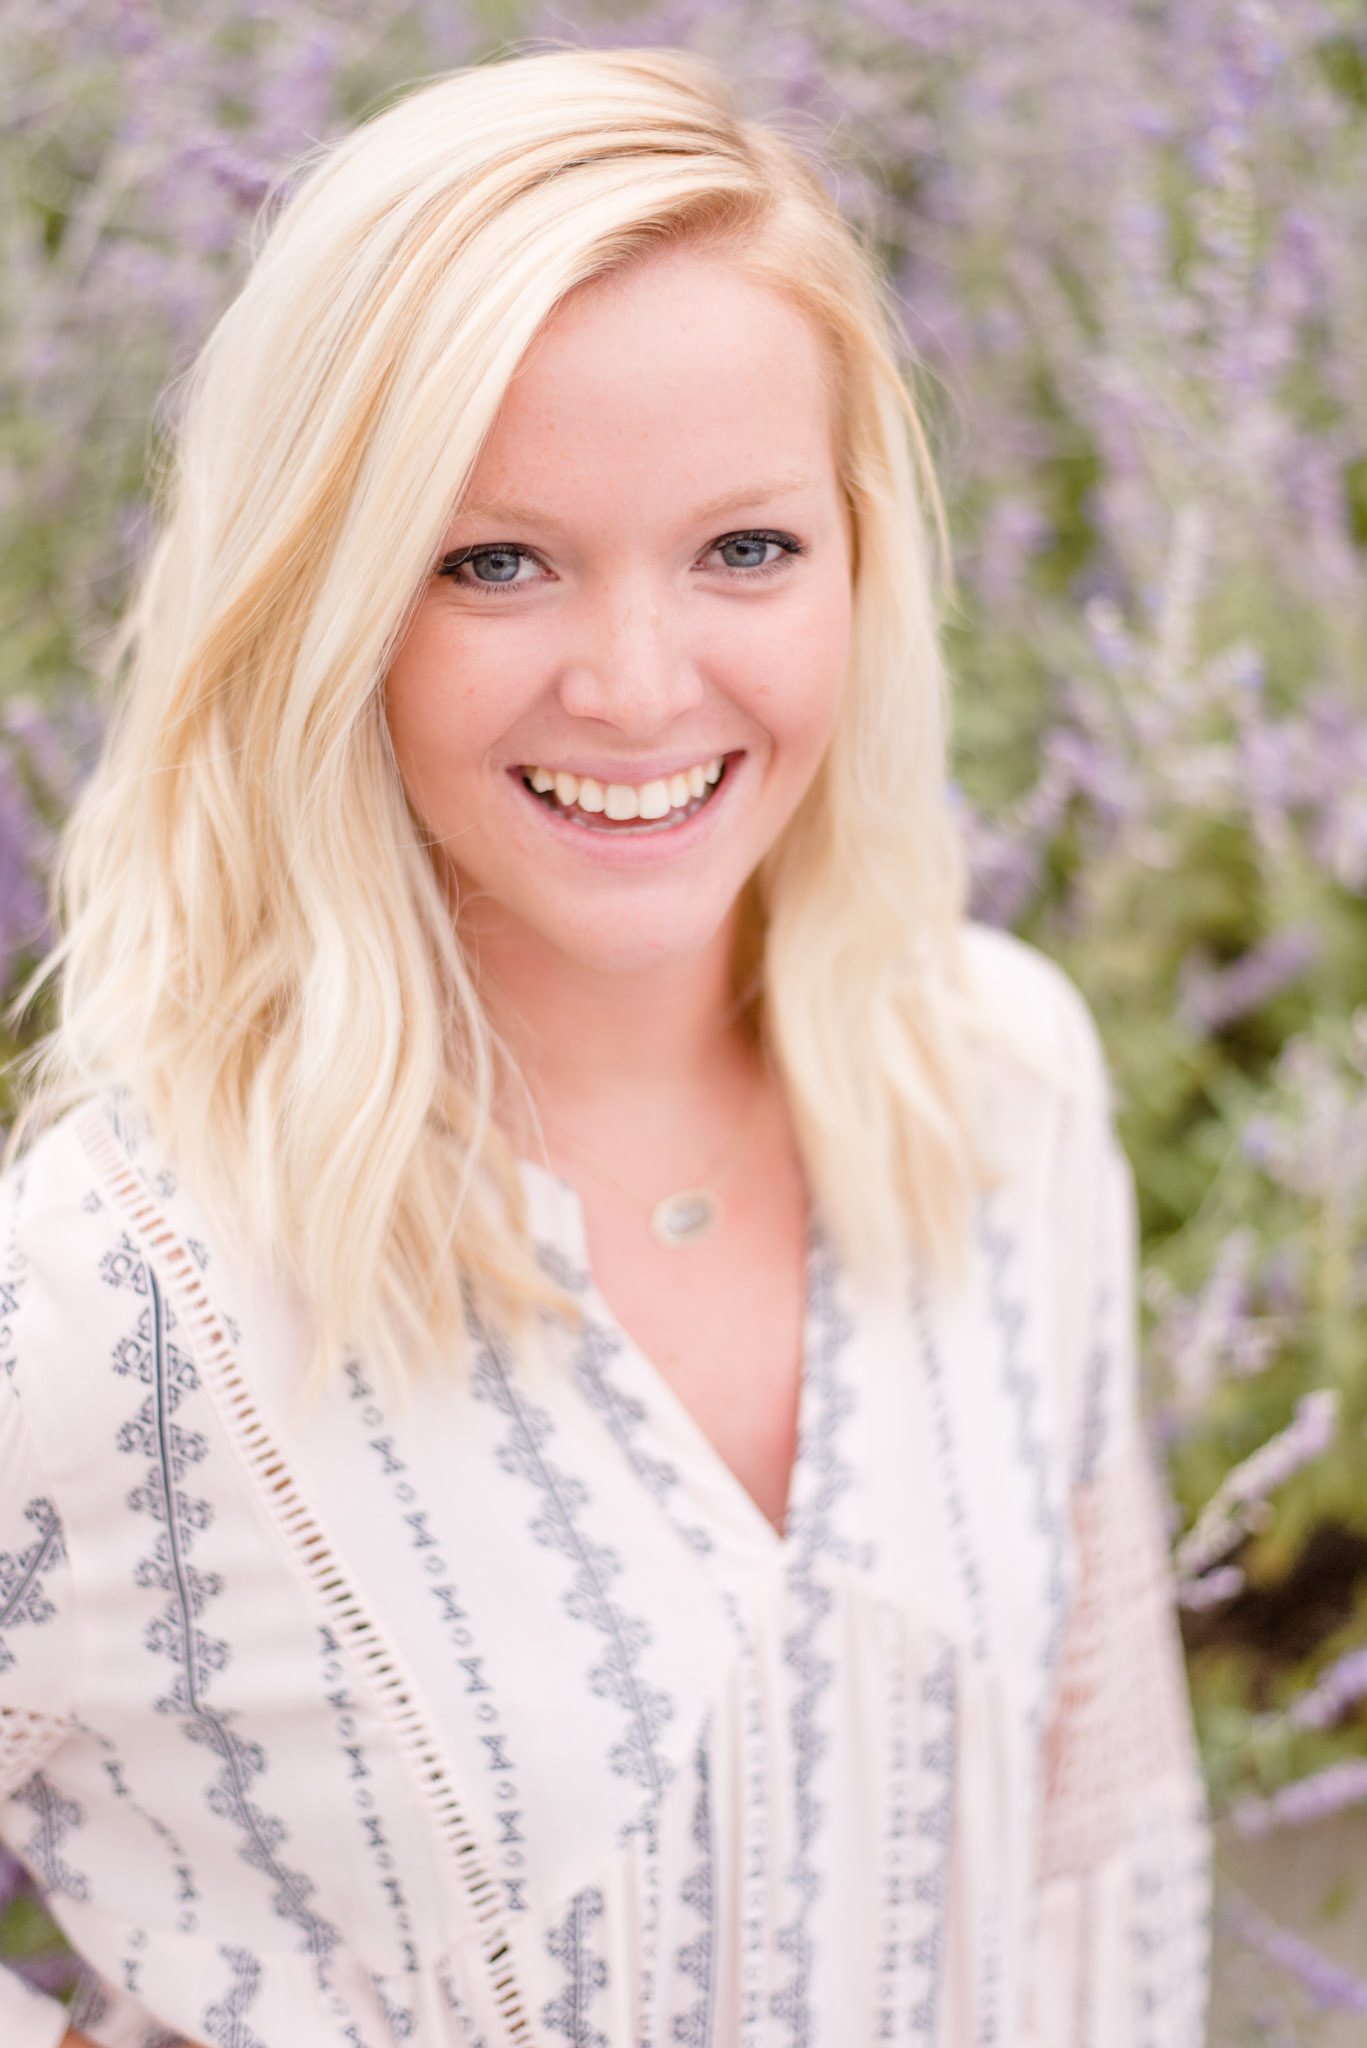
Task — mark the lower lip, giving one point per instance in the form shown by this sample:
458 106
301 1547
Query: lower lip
637 842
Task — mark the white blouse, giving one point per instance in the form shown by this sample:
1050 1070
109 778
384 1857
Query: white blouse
500 1714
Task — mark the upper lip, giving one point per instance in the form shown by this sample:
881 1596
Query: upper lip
633 772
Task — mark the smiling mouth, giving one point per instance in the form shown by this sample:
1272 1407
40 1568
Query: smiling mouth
655 806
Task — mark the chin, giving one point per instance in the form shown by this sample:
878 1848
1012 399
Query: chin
620 925
624 948
661 929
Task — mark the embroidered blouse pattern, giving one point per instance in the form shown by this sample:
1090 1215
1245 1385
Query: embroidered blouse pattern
558 1526
266 1736
1022 1388
828 1401
151 1355
22 1598
453 1623
695 1959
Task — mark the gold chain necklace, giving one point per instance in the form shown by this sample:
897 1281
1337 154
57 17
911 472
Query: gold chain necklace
689 1214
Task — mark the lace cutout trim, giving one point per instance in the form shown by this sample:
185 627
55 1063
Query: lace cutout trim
395 1689
26 1742
1120 1726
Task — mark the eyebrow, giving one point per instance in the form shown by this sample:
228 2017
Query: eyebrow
505 511
750 494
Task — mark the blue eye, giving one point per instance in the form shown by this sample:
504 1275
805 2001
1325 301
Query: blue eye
488 565
495 566
754 552
745 551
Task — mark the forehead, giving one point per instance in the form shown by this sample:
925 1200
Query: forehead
676 376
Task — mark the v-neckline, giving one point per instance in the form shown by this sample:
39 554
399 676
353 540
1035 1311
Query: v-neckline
675 1418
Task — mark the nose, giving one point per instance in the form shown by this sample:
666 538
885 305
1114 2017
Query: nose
628 664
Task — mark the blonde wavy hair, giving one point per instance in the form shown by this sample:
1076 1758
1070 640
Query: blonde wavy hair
257 944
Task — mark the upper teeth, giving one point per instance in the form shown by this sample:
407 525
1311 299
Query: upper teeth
622 800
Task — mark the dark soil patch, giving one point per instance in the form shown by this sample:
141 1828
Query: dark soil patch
1280 1626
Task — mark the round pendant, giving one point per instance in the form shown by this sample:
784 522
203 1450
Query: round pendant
686 1218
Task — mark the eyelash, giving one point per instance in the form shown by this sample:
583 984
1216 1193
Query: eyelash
787 542
449 564
789 545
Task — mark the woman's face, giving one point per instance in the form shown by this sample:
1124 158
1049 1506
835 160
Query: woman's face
621 680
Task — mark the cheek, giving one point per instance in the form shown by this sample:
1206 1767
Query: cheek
415 695
797 676
435 706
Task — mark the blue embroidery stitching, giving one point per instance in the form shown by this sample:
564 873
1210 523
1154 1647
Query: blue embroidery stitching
933 1826
623 1417
16 1266
811 1536
1093 1433
187 1891
225 2021
453 1619
560 1268
1093 1425
568 2012
951 1482
693 2029
22 1598
400 2020
56 1817
150 1355
1023 1387
89 2003
557 1527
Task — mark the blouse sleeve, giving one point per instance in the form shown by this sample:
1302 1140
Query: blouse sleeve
1123 1876
35 1657
38 1660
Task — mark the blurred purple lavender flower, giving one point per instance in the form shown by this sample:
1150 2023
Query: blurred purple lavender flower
1198 1596
1317 1148
1212 997
1306 1437
1239 1503
1309 1799
51 1969
139 145
1014 531
59 742
14 1881
1333 1692
1202 1337
1005 873
24 851
1330 1987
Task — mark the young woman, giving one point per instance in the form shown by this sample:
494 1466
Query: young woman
568 1468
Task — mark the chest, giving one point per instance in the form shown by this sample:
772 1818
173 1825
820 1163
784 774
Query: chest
721 1321
570 1580
559 1525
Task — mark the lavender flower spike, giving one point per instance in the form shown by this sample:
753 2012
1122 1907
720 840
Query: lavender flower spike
1196 1595
1329 1987
1232 1511
1308 1799
1309 1433
1336 1689
1212 998
14 1880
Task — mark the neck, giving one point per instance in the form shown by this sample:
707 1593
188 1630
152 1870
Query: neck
625 1048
